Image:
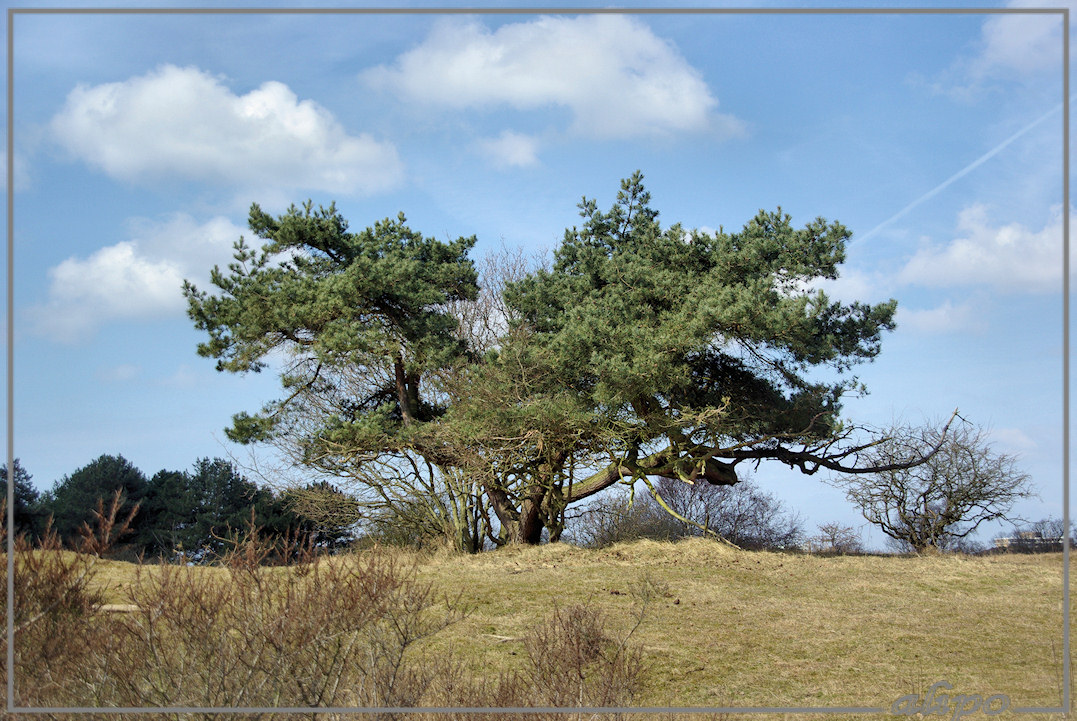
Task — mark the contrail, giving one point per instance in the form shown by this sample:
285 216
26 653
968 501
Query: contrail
963 172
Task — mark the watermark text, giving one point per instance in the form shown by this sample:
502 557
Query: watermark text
958 705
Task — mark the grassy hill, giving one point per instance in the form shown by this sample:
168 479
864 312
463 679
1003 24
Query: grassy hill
722 627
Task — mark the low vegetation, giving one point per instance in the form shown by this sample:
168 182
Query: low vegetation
640 624
465 416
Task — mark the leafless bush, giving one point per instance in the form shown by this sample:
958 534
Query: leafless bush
572 662
54 599
325 631
958 484
618 518
743 514
835 538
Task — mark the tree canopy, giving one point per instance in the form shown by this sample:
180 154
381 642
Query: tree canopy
72 499
28 516
642 351
197 513
648 351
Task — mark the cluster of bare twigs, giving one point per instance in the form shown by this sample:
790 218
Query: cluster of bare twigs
322 632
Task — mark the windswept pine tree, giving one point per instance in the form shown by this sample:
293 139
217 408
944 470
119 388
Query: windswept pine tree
643 351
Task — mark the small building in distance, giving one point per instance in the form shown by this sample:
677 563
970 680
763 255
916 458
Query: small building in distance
1028 542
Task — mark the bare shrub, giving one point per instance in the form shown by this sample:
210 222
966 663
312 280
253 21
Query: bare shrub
743 514
54 602
572 661
326 631
959 484
617 518
835 538
329 632
340 631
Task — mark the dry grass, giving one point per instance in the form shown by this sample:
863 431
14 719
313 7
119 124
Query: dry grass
765 629
722 627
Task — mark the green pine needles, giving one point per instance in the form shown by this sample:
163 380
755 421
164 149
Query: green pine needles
639 352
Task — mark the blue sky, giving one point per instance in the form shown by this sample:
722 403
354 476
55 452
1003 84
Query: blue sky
141 141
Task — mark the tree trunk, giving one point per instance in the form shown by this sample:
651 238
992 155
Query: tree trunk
404 394
530 524
522 525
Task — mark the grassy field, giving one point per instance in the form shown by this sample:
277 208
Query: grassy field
722 627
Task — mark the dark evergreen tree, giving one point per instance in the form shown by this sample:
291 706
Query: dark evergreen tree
170 512
29 518
223 500
74 497
198 512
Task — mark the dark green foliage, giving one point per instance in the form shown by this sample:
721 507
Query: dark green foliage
642 351
224 501
655 321
168 509
198 512
73 498
661 352
29 517
363 320
338 300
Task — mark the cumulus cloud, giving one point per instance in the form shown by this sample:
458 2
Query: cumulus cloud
945 318
510 150
1021 44
136 279
183 122
1013 439
1011 258
611 72
1023 47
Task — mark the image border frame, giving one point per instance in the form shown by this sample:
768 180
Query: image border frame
12 13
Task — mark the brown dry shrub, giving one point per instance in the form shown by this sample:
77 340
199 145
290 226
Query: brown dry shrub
572 662
328 632
54 637
323 632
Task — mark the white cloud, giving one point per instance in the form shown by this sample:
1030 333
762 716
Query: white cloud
1026 47
1009 258
945 318
122 373
137 279
1021 44
510 150
184 122
1013 439
615 76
